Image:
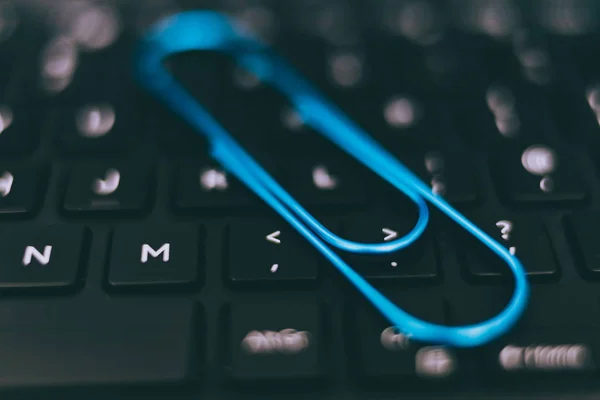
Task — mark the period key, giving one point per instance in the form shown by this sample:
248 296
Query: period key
154 256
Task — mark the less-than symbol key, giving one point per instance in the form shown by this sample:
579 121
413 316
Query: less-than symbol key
264 252
273 238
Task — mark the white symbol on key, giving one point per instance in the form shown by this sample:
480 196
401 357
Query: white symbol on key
95 120
6 182
147 250
541 161
390 234
273 237
109 184
212 179
32 252
505 230
435 362
323 179
394 340
286 341
6 118
274 268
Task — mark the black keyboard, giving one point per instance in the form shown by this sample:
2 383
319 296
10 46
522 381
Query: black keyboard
133 266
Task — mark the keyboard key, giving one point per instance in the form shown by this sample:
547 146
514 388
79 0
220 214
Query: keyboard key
582 228
206 186
116 342
154 256
385 354
265 251
48 257
98 128
324 182
416 262
398 117
577 113
276 340
450 174
526 237
95 187
19 130
556 352
503 113
21 189
538 174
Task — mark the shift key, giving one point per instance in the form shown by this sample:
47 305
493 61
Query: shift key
66 343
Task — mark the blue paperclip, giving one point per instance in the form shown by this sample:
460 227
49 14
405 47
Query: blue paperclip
206 30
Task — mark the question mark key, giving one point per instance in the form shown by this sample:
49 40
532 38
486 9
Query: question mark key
526 237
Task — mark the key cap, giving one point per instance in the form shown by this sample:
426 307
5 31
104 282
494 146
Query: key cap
449 174
154 256
526 237
103 126
538 174
19 130
575 112
324 181
276 340
503 113
383 353
550 352
201 73
581 228
21 189
50 257
397 117
265 251
116 342
206 186
118 187
415 262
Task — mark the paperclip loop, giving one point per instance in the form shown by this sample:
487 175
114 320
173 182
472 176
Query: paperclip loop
207 30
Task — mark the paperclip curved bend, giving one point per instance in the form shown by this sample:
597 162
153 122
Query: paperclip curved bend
205 30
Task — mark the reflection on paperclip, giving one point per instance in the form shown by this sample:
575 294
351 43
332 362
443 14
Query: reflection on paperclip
205 30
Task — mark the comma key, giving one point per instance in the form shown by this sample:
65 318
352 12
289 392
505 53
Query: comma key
274 341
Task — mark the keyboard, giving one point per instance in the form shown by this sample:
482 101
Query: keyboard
134 266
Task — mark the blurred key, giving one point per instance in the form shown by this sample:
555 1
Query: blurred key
326 181
20 128
450 174
582 228
398 117
21 189
577 113
205 186
538 174
108 187
383 353
276 341
551 352
503 113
